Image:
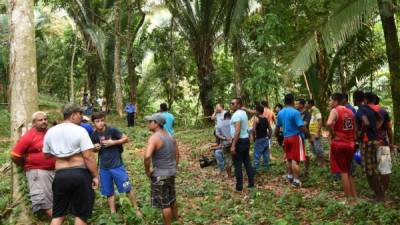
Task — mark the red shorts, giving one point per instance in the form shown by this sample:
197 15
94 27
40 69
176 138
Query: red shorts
294 148
342 154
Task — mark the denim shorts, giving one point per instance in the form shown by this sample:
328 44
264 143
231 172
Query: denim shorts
117 175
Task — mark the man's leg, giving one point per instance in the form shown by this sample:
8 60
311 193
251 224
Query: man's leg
385 180
49 212
266 155
376 187
219 156
57 221
352 187
237 162
319 151
167 215
249 169
111 203
295 169
346 184
258 150
289 169
132 199
174 209
79 221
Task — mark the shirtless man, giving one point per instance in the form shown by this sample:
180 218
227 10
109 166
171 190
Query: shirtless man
76 175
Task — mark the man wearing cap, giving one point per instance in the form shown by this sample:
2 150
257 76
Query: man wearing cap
108 141
162 152
76 174
39 171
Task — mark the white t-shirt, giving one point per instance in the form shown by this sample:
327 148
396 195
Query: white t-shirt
66 139
219 117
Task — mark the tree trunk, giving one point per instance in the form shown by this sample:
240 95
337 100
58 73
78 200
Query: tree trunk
203 53
393 54
71 73
117 60
130 62
171 99
92 70
237 47
23 82
322 64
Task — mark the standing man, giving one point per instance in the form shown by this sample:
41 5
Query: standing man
130 110
342 126
314 127
108 141
240 144
76 175
385 144
368 122
162 152
306 117
262 133
28 154
169 119
218 117
290 120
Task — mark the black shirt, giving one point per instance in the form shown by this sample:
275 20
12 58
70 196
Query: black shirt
109 157
371 130
262 127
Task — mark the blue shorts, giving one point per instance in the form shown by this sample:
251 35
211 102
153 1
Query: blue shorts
117 176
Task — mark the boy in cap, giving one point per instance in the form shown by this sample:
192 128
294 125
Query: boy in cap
162 152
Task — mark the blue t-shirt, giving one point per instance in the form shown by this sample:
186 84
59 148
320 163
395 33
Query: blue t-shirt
290 119
109 157
169 123
371 130
130 108
240 116
87 127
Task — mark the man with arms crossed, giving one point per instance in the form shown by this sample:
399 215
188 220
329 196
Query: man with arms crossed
162 152
76 170
290 120
39 171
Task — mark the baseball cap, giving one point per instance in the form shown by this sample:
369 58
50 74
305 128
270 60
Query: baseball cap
72 108
157 117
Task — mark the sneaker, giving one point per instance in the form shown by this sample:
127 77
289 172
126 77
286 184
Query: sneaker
287 179
296 184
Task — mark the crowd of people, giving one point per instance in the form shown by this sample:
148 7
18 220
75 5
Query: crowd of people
298 127
63 173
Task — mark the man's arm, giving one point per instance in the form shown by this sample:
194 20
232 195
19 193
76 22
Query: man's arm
19 151
19 161
269 130
331 122
90 162
253 130
124 139
235 137
250 111
176 154
151 147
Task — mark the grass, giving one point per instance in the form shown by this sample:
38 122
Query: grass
206 197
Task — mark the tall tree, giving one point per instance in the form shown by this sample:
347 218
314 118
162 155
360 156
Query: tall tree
393 54
117 59
23 78
130 59
200 21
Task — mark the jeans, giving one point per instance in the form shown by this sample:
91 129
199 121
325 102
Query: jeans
242 157
219 156
317 147
261 148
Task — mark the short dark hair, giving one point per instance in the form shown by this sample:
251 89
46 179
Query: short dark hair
301 101
311 102
369 97
279 105
221 104
227 115
98 115
265 103
358 96
260 109
289 99
163 107
377 100
337 97
239 100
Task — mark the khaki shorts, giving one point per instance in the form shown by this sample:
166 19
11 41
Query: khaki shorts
384 160
40 192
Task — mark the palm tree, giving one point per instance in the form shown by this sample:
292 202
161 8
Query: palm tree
342 25
200 22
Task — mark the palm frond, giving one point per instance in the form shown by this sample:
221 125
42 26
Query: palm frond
3 24
98 38
236 13
338 28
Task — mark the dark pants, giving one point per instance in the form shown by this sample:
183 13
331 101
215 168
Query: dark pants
131 119
242 156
